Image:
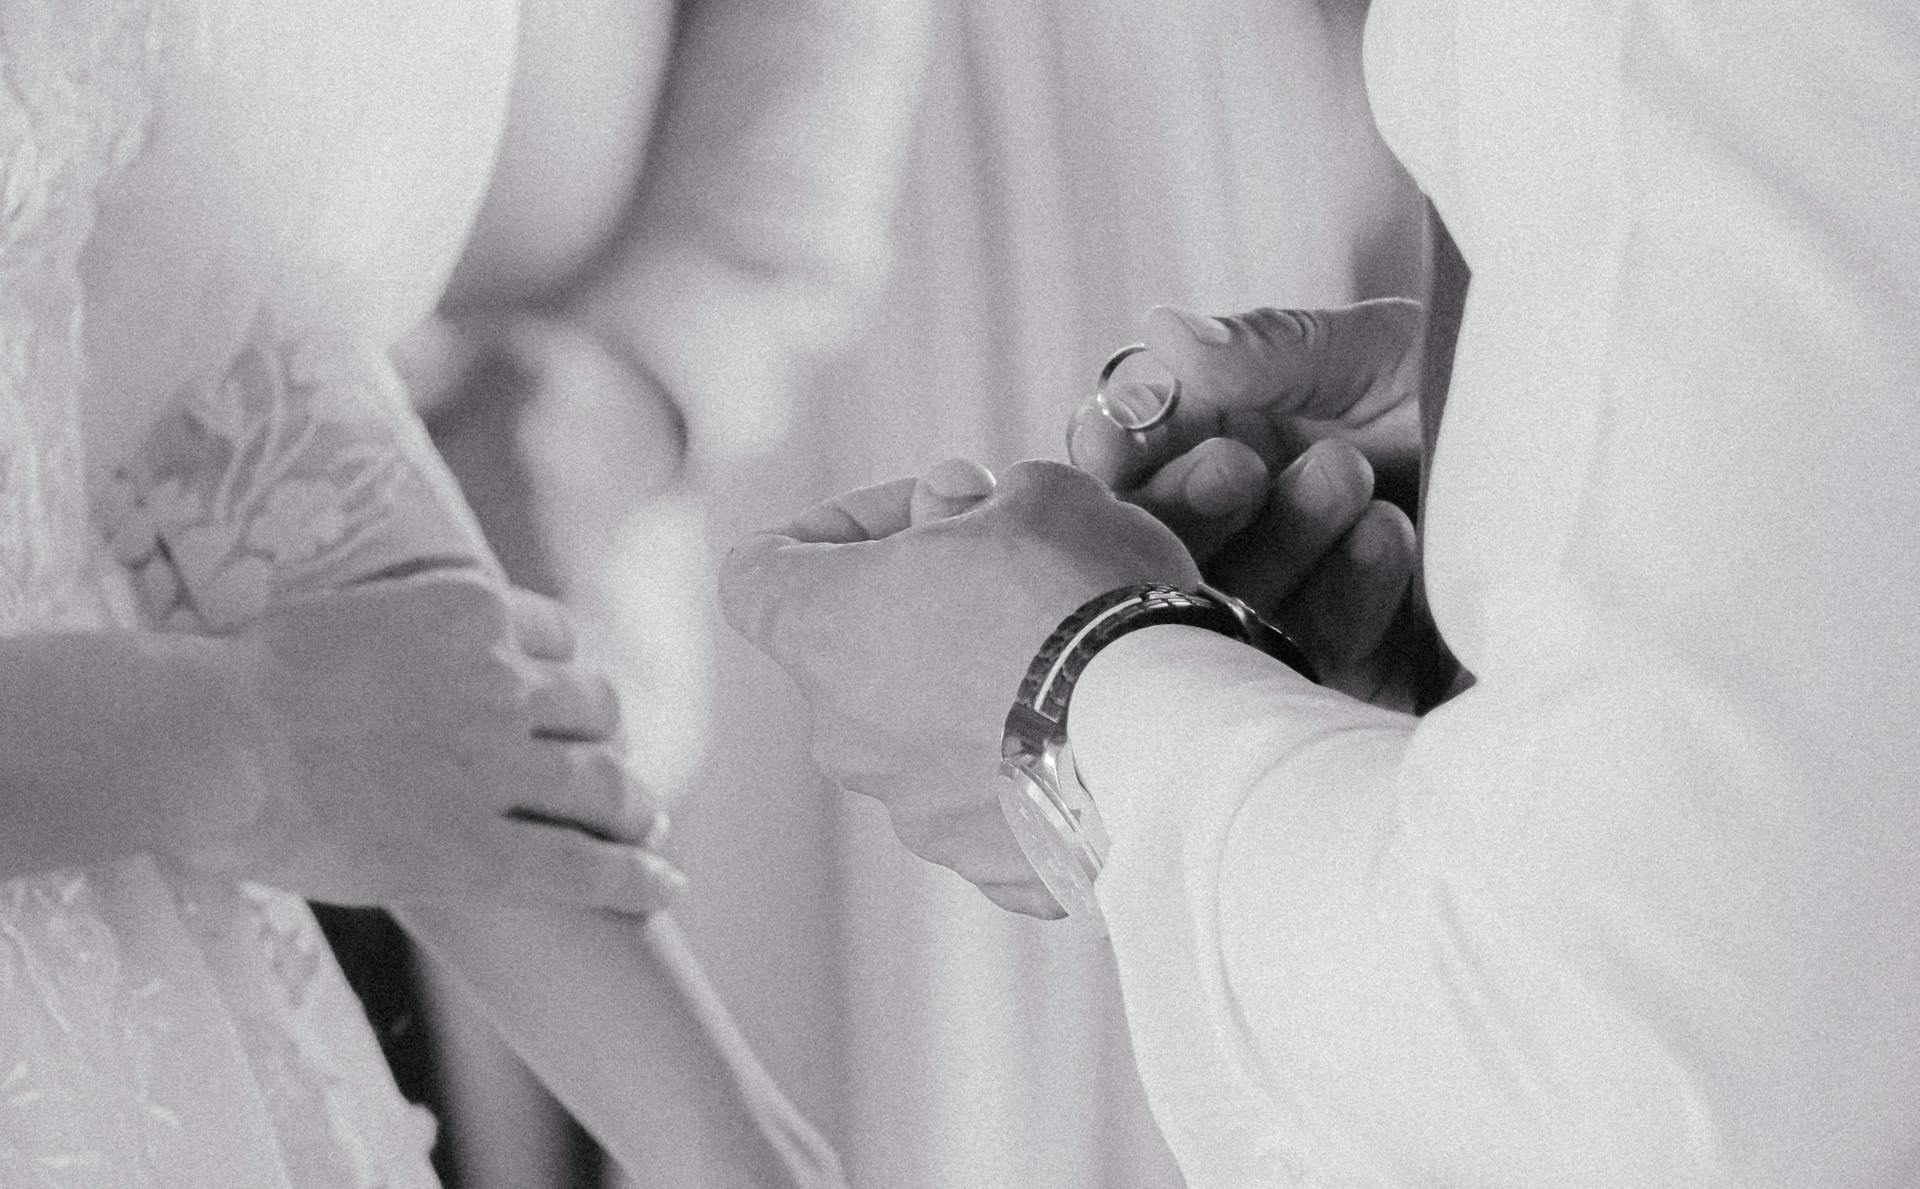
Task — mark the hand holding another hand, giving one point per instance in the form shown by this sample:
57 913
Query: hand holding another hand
908 628
430 737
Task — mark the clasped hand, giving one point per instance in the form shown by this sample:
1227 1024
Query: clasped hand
429 737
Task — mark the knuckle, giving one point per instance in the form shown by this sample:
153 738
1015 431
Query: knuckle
1340 461
1285 328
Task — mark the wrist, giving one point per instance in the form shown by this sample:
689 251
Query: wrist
112 744
213 768
1045 798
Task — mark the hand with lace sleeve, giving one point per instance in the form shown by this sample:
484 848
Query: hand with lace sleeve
418 730
297 488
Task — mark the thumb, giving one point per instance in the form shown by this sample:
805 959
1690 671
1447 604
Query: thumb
769 582
949 489
1350 361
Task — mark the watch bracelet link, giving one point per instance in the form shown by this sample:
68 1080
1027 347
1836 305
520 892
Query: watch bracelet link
1058 663
1051 813
1065 654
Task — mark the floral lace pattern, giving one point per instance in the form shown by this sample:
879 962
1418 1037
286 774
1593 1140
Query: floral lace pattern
157 1030
297 471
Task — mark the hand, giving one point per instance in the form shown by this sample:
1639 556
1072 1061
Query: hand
909 640
1255 474
428 737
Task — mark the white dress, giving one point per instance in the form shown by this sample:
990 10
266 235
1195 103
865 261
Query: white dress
156 1029
1639 908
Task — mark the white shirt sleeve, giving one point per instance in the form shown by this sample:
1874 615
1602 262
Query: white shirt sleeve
1639 908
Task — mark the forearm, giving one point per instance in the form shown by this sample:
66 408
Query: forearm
1600 937
623 1005
624 1042
114 743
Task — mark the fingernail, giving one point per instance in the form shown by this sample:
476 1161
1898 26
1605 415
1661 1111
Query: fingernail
1376 539
1367 543
1133 403
1210 331
1217 486
1320 489
659 828
959 478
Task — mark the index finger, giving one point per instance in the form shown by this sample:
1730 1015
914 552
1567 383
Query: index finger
770 571
864 515
1245 375
1347 362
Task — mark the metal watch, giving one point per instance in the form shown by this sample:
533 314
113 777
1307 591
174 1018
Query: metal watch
1048 808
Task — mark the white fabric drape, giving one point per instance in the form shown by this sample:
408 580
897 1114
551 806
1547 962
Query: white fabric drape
1075 162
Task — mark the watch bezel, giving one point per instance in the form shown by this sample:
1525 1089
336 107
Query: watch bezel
1055 823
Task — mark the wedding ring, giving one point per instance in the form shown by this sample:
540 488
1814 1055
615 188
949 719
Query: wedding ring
1140 402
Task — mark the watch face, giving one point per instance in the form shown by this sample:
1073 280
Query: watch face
1050 837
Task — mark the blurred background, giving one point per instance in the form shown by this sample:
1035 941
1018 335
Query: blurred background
739 257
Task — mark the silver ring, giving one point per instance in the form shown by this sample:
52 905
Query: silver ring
1106 409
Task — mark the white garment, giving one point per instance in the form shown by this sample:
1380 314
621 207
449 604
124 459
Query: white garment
1639 908
157 1029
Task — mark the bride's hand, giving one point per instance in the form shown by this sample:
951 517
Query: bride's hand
431 737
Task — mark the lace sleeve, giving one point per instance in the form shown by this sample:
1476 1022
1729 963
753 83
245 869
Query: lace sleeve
298 469
301 468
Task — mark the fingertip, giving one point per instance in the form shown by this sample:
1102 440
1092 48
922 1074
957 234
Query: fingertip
664 881
959 478
1224 476
648 884
638 813
659 829
542 627
1331 480
949 489
1031 473
1104 450
1029 899
1383 538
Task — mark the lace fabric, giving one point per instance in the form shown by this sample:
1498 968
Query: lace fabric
298 470
156 1030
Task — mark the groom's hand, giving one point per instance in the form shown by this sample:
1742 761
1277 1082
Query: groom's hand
909 640
1257 472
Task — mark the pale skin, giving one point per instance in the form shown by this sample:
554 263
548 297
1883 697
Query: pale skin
405 742
949 611
1264 471
481 730
384 743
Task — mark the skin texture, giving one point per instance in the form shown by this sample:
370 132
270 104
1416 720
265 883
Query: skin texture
909 639
1259 473
437 686
907 632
